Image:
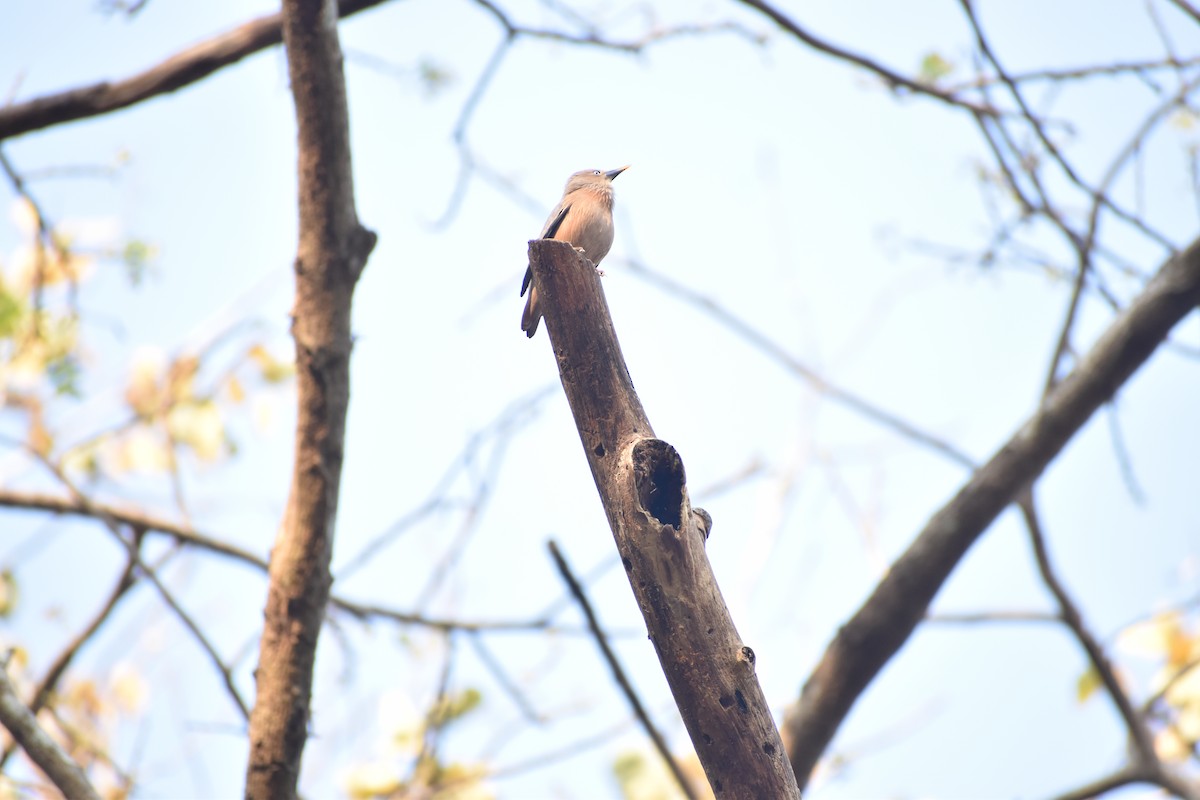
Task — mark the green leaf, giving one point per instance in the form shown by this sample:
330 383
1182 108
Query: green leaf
454 706
12 312
137 256
64 373
934 68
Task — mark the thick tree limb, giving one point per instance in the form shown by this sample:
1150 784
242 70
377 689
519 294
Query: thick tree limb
63 772
660 539
182 69
883 624
332 252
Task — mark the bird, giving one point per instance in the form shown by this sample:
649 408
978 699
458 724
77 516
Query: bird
584 219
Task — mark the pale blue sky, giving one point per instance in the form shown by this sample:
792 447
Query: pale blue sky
774 180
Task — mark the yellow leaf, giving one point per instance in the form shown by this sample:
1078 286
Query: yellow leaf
18 660
1183 120
129 688
1151 638
9 592
199 425
1087 684
1170 746
140 451
83 460
144 393
273 370
237 392
39 439
398 719
1183 695
25 217
183 377
373 779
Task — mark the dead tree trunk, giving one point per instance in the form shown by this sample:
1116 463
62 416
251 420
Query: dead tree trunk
660 539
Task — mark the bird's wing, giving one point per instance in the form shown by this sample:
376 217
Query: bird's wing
555 222
552 225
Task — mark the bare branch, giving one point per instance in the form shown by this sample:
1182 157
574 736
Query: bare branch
892 78
1187 8
510 687
57 669
842 397
1139 734
631 695
1079 73
1020 617
182 69
223 670
65 774
885 621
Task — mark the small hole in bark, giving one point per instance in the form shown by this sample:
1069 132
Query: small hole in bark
706 738
599 450
741 701
725 700
768 748
625 562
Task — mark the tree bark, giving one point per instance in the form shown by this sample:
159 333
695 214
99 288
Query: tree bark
886 620
660 539
332 252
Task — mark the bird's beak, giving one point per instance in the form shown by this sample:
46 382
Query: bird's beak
612 173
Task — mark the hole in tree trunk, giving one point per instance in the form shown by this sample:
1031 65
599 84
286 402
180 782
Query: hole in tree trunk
658 473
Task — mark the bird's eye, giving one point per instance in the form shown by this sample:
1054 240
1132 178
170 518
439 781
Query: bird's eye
595 172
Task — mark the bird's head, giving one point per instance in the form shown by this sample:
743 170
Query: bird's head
593 179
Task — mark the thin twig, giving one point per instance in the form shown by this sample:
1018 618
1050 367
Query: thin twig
510 687
50 680
1139 734
618 672
892 78
770 348
150 524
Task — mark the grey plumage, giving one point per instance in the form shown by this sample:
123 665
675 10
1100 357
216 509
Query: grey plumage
584 218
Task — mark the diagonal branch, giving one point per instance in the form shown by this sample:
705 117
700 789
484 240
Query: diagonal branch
885 621
64 773
818 382
50 680
1139 734
892 78
182 69
80 505
618 672
661 538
